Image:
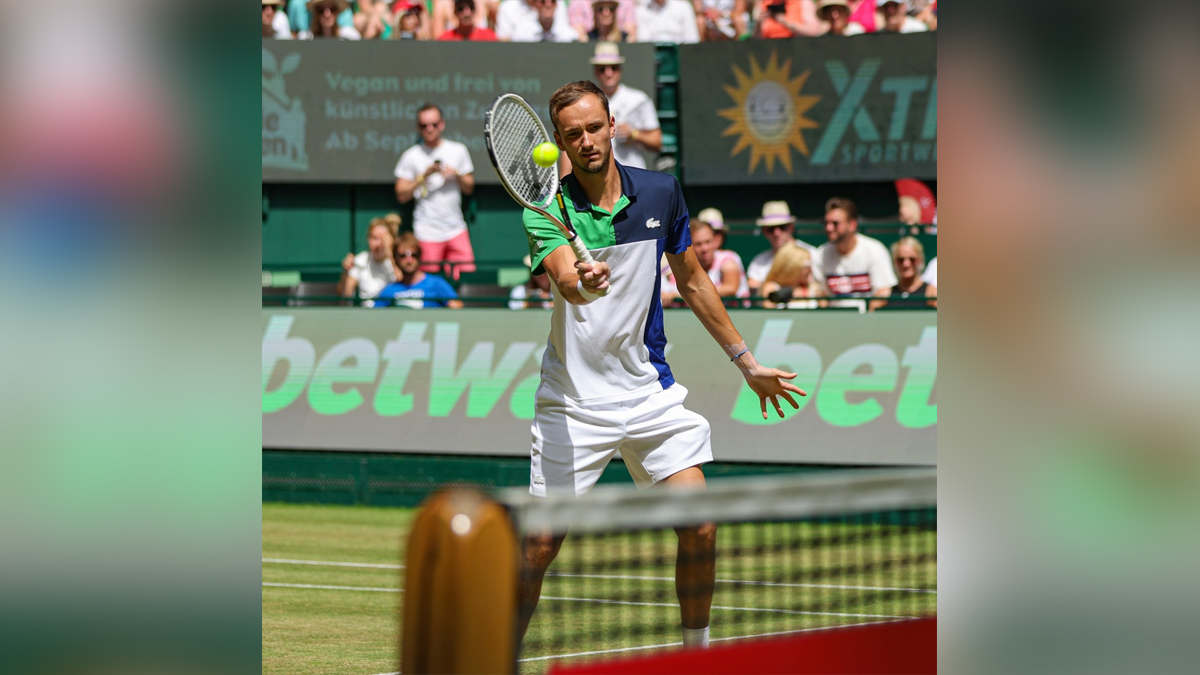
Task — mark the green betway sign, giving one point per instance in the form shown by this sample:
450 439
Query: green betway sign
464 382
797 111
336 111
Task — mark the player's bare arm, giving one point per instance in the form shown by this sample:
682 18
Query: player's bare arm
701 295
568 273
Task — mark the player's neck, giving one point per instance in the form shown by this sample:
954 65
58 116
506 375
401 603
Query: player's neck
602 189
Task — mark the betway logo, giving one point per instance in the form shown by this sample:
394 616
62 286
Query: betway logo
872 147
336 381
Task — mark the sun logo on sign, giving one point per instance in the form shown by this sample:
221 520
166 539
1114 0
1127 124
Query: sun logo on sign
769 115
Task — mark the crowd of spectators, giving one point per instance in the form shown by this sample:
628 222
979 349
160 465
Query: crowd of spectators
677 21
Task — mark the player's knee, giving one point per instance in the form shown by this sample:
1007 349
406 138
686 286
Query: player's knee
540 550
702 537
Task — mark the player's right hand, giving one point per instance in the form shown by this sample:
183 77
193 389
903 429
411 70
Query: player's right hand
348 262
593 275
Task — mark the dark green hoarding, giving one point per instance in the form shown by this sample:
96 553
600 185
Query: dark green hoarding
335 111
862 108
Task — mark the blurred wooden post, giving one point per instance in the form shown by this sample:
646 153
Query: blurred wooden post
459 588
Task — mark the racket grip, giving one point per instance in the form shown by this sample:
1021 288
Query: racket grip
584 255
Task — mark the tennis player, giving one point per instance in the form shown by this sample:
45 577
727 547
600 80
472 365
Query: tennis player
606 386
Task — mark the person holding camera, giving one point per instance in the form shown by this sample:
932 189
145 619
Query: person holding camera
437 172
776 19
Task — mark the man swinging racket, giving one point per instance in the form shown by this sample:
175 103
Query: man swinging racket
606 386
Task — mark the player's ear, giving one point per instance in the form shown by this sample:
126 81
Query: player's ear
612 127
558 141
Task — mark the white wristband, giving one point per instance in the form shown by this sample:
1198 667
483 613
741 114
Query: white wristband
587 295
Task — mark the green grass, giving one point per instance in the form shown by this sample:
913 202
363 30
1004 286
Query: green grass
355 632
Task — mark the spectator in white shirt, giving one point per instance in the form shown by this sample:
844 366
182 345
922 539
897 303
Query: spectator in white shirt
534 21
778 227
371 270
851 264
667 21
634 112
275 23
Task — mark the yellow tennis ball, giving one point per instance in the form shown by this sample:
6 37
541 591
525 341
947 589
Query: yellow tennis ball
545 155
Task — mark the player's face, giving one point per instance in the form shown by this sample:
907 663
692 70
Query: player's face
906 262
407 260
705 246
379 240
838 226
586 133
430 124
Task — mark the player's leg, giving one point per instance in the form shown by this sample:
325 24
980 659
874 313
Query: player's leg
666 444
459 253
537 552
695 566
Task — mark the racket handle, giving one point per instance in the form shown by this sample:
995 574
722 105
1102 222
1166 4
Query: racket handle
584 255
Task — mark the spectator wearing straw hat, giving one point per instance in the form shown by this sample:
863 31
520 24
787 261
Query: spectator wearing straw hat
325 21
667 21
835 14
633 110
582 14
851 264
275 24
467 29
716 220
778 227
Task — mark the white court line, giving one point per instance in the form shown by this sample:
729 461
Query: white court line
335 588
680 644
285 561
750 582
733 609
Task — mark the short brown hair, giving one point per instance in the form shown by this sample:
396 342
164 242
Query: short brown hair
844 204
407 240
570 93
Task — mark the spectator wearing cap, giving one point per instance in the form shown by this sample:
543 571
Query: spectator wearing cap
778 19
721 19
325 20
778 227
716 220
667 21
466 30
897 20
851 264
582 14
835 14
604 23
275 22
633 110
411 20
534 21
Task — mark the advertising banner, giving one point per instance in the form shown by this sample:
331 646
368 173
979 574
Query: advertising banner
862 108
443 381
336 111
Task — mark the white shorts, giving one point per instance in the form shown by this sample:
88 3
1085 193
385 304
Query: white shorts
655 434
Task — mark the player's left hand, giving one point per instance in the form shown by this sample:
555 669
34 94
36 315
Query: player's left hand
770 383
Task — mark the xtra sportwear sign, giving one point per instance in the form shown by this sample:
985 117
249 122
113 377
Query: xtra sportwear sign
464 382
814 110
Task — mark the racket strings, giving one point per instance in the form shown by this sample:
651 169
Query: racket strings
515 133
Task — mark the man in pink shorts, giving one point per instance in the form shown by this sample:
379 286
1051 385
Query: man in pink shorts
437 172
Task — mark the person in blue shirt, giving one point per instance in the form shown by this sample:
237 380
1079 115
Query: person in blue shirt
413 287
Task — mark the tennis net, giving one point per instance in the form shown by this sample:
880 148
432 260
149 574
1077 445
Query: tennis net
793 554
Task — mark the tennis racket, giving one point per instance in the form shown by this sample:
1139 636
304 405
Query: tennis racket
512 130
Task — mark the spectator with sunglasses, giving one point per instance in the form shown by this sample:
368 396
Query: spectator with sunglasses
911 290
534 21
467 30
414 288
583 20
604 23
275 23
637 119
437 172
778 227
324 21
